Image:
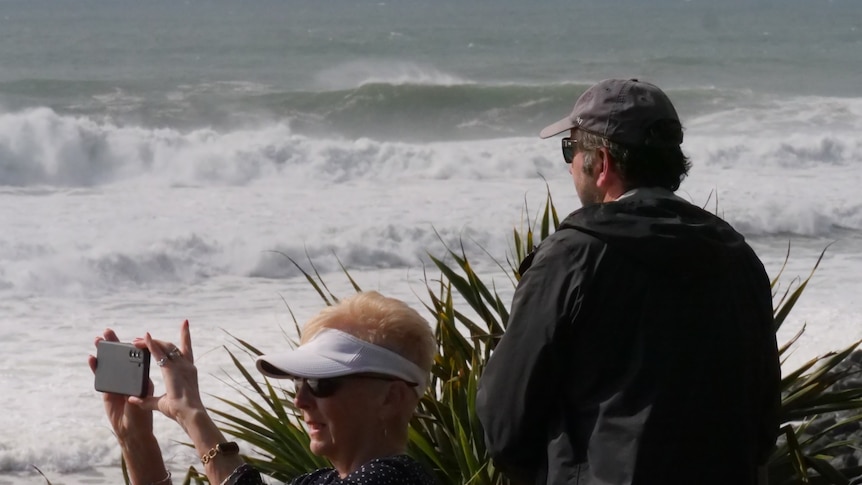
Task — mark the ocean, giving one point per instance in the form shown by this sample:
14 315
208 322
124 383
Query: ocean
158 159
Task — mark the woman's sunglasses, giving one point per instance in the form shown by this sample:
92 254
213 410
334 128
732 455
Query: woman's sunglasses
322 388
570 148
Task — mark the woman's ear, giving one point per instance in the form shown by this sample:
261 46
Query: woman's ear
398 397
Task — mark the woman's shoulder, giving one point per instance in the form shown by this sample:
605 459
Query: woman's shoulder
390 470
397 469
322 476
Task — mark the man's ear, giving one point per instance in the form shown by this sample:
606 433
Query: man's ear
604 167
608 177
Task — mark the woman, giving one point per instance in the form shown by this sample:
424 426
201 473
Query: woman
359 373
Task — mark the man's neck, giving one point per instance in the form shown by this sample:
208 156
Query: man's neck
648 193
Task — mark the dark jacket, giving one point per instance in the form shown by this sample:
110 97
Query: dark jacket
640 349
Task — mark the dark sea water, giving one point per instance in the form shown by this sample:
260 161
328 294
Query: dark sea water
408 69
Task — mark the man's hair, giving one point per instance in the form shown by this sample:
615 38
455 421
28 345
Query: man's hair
653 164
382 321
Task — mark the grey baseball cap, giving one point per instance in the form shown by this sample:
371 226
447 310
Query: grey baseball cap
621 110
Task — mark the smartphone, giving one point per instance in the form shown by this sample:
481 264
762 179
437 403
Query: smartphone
122 368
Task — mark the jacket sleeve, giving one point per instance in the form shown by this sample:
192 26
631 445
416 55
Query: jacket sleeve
517 389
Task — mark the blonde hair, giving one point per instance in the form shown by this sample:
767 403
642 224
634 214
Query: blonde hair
382 321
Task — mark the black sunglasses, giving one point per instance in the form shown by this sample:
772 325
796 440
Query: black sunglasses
570 148
327 387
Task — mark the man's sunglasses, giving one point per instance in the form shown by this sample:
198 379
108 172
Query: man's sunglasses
570 148
329 386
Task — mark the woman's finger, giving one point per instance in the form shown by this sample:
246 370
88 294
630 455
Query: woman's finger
149 403
157 350
110 335
186 342
92 362
171 351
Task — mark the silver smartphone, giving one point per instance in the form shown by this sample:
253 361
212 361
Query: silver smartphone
122 368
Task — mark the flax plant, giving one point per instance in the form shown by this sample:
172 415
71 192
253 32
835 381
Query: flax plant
470 316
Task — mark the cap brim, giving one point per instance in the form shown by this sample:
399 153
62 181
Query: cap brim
300 363
333 353
564 124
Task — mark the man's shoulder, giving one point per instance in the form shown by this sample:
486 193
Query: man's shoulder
562 247
569 238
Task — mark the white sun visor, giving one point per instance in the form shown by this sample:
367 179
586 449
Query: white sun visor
333 353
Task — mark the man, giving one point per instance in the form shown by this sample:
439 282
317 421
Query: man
640 347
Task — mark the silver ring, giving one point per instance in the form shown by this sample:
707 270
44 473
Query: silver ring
161 362
175 353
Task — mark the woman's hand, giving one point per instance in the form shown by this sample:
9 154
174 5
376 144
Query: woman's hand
133 426
181 400
128 420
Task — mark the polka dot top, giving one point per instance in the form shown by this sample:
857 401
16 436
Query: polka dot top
392 470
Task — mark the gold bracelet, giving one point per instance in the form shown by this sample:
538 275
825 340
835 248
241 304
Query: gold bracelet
229 448
167 479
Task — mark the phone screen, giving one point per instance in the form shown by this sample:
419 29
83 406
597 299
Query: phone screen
122 368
